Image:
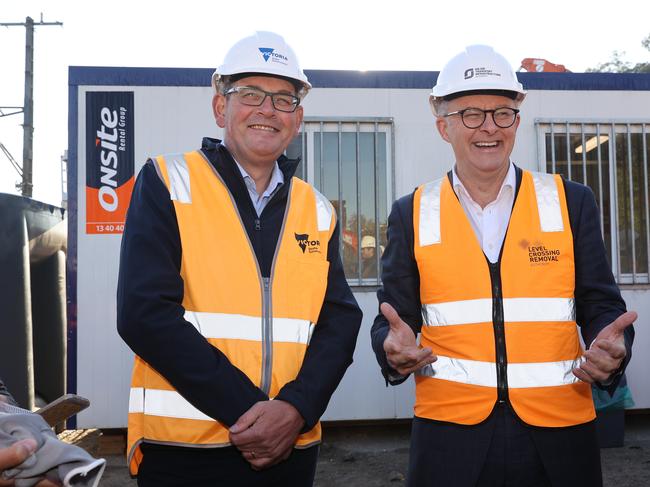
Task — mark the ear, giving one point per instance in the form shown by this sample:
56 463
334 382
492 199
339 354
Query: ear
299 116
441 125
219 109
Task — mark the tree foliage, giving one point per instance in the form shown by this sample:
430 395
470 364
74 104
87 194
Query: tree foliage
618 65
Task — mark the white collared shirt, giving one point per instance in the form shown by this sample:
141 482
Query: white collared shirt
489 223
260 200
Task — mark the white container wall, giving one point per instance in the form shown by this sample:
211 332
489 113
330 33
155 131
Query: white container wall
172 111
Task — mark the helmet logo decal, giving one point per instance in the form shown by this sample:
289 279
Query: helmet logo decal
275 57
480 72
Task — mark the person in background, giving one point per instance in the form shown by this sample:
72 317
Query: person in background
231 293
494 266
368 257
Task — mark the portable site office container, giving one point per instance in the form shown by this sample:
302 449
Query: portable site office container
368 138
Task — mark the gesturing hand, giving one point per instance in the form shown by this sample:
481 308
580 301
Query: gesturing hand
265 434
402 351
607 351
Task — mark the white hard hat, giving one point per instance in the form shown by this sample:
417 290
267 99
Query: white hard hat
477 68
263 52
368 241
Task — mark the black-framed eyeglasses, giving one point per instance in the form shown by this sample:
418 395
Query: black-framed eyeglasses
254 97
473 118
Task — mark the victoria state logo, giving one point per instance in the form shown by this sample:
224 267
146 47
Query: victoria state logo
269 53
306 244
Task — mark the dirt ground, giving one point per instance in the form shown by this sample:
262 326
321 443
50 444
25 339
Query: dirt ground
377 455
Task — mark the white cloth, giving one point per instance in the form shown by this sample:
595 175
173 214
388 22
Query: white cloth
53 459
489 223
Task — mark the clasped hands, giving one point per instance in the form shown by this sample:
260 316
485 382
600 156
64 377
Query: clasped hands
266 433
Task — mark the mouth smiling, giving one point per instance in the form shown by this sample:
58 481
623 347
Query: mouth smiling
486 145
266 128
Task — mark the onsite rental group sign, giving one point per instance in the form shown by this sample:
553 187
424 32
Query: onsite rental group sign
109 159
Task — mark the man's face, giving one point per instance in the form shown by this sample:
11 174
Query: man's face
483 150
367 252
257 135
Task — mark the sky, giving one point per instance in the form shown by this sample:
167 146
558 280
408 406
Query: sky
329 34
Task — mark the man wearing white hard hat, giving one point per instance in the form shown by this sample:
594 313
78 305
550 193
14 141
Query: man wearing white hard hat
494 266
232 293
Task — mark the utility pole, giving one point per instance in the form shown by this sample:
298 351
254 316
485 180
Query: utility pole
28 106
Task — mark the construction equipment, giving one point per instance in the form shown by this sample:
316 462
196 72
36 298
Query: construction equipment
538 65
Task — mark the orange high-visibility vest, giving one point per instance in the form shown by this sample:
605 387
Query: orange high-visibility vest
263 325
501 332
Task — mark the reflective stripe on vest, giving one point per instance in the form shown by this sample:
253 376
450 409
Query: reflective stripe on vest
240 327
514 309
537 275
519 375
263 326
180 190
548 205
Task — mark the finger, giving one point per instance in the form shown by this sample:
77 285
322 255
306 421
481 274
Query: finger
416 367
390 314
247 440
595 372
619 325
410 357
583 376
615 350
262 463
17 453
246 420
601 363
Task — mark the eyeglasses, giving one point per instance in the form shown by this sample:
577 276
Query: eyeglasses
473 118
254 97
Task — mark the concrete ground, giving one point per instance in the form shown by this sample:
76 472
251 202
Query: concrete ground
377 455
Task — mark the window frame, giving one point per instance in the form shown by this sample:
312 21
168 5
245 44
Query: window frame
611 128
311 126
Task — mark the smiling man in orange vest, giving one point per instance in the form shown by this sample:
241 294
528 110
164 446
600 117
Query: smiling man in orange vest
232 293
494 266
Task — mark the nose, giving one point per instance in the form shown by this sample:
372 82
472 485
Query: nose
267 107
488 124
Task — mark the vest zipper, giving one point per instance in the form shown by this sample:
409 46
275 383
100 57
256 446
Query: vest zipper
265 282
267 336
267 309
499 332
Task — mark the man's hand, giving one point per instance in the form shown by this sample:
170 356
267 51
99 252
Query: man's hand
266 433
15 455
607 351
402 351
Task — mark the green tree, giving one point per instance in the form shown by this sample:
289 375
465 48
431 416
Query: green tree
617 65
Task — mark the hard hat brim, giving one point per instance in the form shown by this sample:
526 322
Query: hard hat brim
223 71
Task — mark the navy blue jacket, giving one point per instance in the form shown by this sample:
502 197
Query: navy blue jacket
150 293
598 299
